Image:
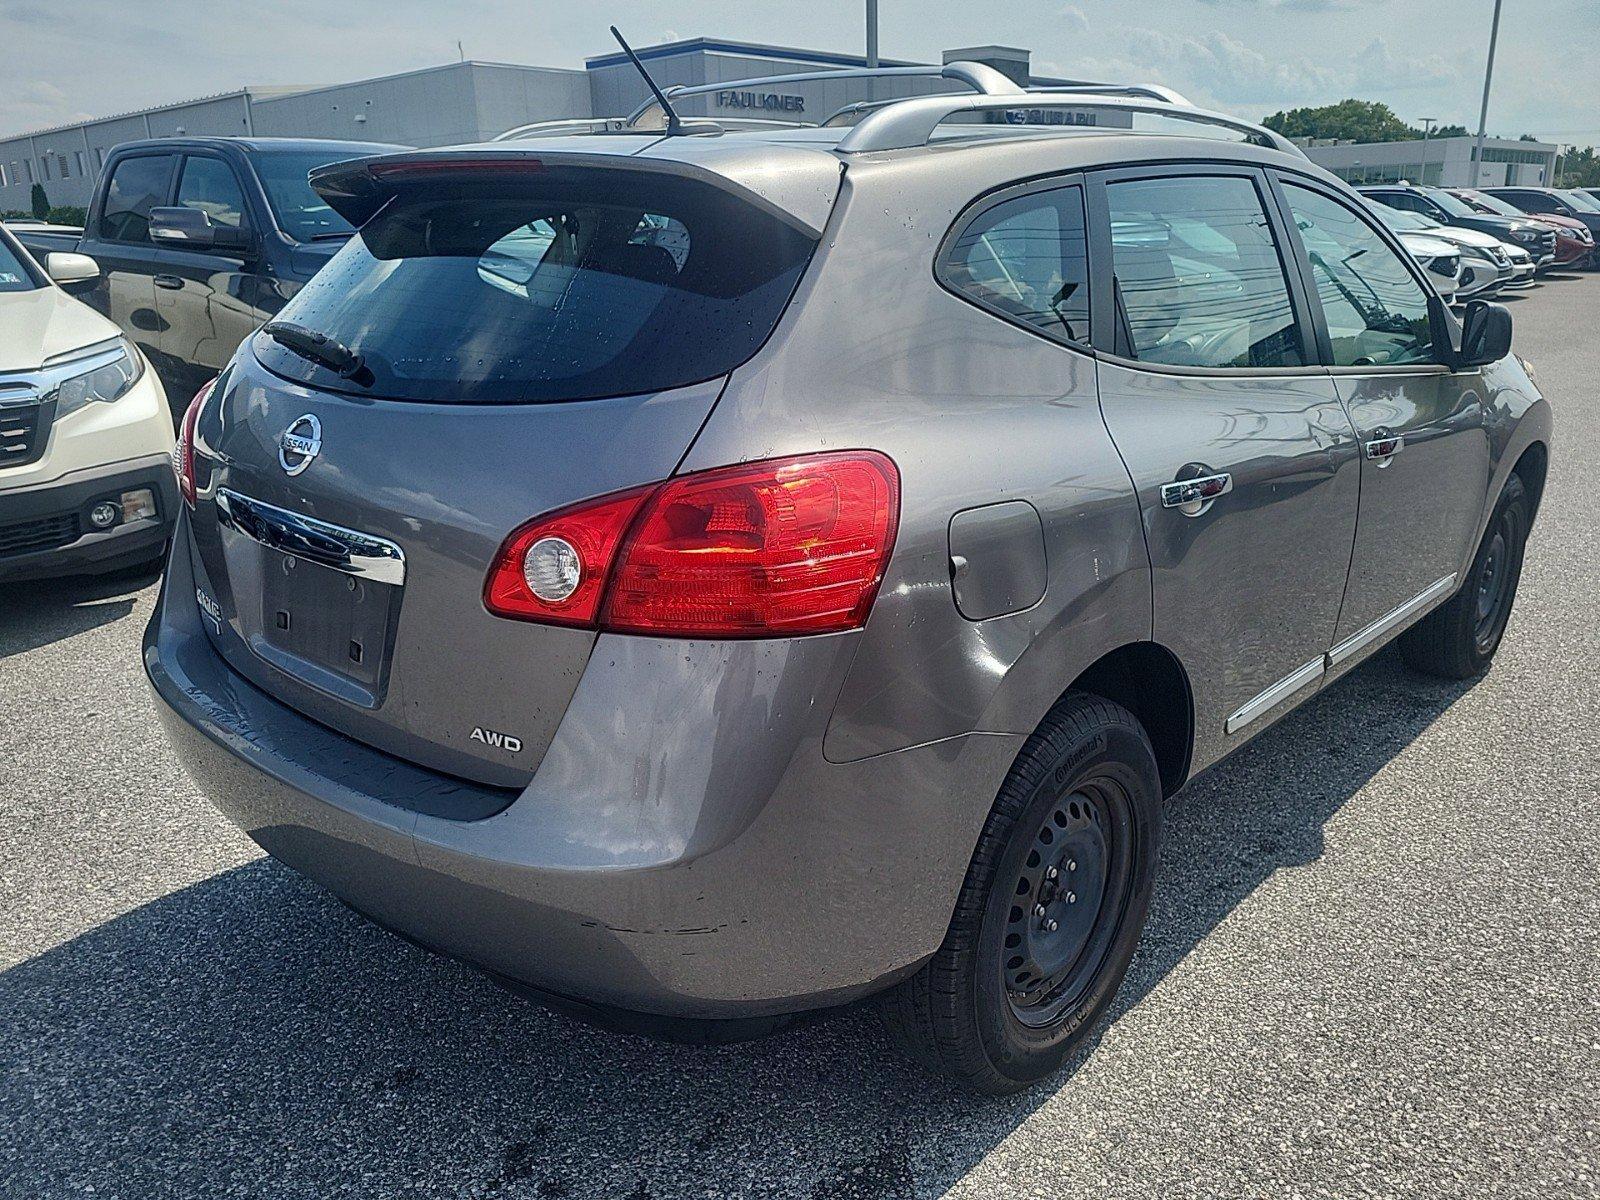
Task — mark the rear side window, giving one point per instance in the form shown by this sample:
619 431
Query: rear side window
209 184
1376 311
137 185
1027 259
587 284
1199 278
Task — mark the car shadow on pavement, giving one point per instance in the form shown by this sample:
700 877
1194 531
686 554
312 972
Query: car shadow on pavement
247 1035
40 612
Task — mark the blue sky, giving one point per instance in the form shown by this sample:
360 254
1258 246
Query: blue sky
71 58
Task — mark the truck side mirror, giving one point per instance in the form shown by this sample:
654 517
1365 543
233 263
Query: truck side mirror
1485 335
193 229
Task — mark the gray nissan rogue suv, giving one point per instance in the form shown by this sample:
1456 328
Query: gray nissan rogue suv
701 579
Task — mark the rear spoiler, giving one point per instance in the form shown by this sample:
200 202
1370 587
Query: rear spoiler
358 188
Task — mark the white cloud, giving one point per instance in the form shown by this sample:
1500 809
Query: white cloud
1074 19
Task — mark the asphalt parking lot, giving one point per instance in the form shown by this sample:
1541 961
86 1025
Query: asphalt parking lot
1373 967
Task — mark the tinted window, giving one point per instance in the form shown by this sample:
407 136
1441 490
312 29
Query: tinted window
1199 278
137 186
1377 312
1027 258
301 213
14 277
209 185
587 284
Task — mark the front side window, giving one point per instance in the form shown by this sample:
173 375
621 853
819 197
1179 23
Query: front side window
209 184
1377 312
137 186
1199 278
1027 258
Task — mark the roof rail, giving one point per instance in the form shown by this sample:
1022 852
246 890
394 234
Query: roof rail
903 124
979 77
579 126
1148 91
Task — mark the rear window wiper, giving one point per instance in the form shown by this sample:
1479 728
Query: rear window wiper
316 347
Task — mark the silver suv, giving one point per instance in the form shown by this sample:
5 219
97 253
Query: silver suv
705 578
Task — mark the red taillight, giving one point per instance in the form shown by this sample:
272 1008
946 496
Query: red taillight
512 164
183 452
765 549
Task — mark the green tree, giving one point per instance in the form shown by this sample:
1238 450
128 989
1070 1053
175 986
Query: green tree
41 202
1353 120
1449 131
1580 168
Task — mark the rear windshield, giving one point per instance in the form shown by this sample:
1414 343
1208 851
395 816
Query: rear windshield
587 284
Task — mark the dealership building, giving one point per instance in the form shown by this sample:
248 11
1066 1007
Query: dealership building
475 101
1443 161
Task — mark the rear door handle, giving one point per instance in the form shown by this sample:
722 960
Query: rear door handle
1382 448
1192 497
171 282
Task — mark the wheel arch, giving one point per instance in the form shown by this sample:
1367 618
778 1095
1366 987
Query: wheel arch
1532 467
1149 681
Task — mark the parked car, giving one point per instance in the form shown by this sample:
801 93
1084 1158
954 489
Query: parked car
86 481
1576 206
1575 245
200 240
1440 260
665 623
1537 238
1483 268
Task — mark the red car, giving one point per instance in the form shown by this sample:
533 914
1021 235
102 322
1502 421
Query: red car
1575 247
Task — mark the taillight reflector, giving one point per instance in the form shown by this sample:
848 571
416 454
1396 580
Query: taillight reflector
183 452
764 549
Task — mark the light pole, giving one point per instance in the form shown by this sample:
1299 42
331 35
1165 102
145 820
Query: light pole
1427 131
1483 112
872 33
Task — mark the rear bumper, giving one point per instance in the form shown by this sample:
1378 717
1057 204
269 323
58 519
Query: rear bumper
684 850
55 516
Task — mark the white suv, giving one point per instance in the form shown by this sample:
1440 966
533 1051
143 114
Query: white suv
85 433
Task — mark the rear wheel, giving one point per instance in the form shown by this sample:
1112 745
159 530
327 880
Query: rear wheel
1458 640
1051 909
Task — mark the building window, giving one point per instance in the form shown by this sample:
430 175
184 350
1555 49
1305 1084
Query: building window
78 158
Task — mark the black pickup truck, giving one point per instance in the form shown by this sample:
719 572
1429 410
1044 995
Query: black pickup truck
201 240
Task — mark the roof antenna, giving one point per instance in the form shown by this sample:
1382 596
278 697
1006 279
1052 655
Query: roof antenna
674 126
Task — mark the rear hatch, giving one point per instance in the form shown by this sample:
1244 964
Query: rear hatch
509 339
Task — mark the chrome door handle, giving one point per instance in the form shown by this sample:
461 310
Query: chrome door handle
1192 497
171 282
1384 447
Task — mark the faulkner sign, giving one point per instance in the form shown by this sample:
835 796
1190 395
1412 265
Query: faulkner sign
766 101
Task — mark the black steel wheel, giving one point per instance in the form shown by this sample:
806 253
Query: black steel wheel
1068 902
1458 640
1051 909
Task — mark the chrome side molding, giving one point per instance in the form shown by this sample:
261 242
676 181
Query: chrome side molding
1299 678
334 546
1362 638
1313 671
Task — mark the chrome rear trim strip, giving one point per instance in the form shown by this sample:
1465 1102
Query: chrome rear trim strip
346 550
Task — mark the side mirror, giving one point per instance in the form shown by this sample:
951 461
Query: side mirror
75 272
1485 334
193 229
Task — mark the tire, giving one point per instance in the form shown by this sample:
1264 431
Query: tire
1458 639
1010 994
